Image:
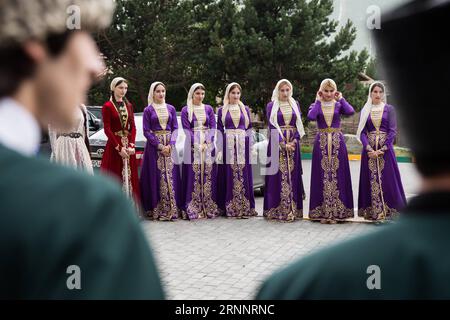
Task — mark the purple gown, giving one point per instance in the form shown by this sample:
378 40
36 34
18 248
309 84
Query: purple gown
199 170
381 192
331 186
284 193
235 192
160 176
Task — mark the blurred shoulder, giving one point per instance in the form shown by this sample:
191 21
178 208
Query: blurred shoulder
35 191
334 272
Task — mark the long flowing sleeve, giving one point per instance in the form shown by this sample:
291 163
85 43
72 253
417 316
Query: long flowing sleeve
220 124
297 134
250 126
148 133
106 114
392 133
314 111
221 142
346 108
271 126
212 125
365 141
186 124
132 141
174 125
250 130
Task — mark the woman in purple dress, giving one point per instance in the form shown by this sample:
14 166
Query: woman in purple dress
283 198
199 168
331 197
381 194
160 175
236 172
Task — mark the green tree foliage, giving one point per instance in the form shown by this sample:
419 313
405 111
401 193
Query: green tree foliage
372 69
253 42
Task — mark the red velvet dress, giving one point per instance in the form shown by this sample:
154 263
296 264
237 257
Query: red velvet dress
117 128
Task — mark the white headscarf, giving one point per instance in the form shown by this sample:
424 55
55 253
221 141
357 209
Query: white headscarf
190 99
151 92
326 83
226 105
276 106
115 81
365 112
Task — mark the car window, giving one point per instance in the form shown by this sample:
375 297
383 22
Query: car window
140 139
96 111
91 118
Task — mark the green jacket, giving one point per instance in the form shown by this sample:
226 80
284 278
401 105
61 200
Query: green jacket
411 259
52 218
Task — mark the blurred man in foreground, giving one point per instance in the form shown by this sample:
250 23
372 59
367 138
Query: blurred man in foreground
63 234
407 260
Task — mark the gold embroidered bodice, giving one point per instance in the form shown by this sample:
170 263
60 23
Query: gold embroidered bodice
121 108
163 114
235 112
200 115
376 114
286 111
328 112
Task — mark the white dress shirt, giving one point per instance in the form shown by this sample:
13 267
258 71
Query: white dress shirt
19 130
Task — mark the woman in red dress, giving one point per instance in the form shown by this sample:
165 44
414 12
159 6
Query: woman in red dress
119 159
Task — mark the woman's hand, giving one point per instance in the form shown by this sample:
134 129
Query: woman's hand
338 95
166 151
380 153
372 154
123 153
319 95
292 146
131 151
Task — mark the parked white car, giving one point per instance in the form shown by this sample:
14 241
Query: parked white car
98 142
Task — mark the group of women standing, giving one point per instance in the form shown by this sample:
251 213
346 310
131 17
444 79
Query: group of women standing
215 177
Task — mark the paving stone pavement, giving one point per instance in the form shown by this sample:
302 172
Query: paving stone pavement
229 259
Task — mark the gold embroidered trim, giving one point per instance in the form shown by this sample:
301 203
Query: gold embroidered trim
379 210
287 209
166 208
235 112
162 112
239 205
286 111
202 204
328 113
332 207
